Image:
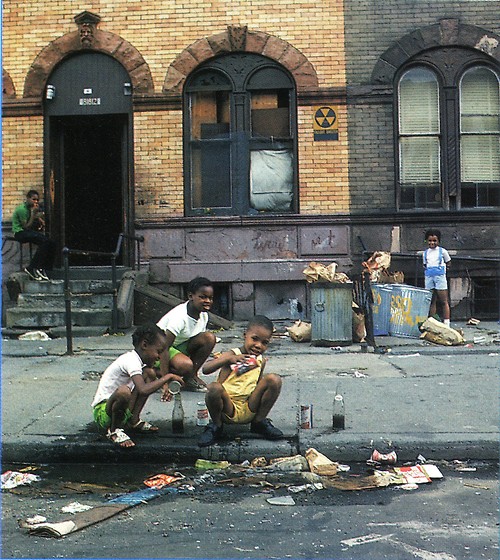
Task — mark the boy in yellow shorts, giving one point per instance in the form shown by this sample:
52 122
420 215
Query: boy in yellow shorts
242 393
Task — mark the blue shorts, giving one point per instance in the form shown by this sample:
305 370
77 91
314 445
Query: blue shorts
436 282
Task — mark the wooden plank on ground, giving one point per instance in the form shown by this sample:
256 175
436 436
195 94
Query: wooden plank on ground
171 301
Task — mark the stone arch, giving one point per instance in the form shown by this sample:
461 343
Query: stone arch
8 89
448 32
88 37
239 39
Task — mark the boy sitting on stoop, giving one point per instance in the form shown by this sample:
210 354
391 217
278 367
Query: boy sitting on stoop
242 393
126 385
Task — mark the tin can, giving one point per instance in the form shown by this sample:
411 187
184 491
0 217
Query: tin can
201 414
386 458
306 416
174 387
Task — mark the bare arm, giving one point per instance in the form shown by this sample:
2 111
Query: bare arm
225 359
146 388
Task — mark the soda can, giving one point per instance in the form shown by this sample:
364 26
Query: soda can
384 458
201 414
174 387
306 416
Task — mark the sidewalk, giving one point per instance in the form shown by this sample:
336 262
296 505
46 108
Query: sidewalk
441 402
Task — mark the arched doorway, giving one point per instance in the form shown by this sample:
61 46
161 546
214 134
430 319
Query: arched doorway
88 151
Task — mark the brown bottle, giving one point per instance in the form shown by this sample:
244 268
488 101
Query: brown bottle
178 415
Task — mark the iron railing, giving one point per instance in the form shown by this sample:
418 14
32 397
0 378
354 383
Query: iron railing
67 252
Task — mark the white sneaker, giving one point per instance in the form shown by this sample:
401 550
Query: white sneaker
42 274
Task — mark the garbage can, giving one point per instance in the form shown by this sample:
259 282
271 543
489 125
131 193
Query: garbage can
331 313
409 307
381 309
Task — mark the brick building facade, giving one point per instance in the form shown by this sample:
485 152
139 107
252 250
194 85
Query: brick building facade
151 70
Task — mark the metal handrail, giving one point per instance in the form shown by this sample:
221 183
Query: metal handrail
114 284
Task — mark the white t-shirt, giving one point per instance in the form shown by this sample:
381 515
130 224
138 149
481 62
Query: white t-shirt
120 372
181 325
432 256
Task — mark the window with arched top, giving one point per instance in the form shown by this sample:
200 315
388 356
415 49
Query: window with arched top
419 140
240 140
480 138
448 132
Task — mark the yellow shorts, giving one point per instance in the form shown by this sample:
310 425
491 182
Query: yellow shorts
242 414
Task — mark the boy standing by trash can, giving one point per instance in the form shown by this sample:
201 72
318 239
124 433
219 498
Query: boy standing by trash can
126 385
436 262
188 342
242 393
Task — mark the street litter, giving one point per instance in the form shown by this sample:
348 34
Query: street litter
319 272
320 464
84 519
439 333
75 507
479 339
431 471
300 331
161 480
415 355
359 374
384 458
414 474
473 321
34 335
313 486
36 519
409 486
296 463
205 464
259 462
11 479
281 501
337 349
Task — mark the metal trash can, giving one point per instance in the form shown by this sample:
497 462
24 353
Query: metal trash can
381 308
331 313
409 307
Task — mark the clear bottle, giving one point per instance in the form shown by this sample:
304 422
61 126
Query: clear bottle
338 417
178 415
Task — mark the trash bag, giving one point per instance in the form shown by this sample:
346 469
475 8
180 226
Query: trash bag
300 331
439 333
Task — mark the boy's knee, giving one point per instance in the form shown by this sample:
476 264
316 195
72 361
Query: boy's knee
214 389
122 395
207 339
273 380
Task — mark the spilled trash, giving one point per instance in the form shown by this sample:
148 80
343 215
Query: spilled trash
282 481
12 479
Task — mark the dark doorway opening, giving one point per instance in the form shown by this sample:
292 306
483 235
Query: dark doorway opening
91 187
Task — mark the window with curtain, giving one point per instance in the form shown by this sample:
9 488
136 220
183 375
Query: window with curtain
240 137
480 138
419 140
448 134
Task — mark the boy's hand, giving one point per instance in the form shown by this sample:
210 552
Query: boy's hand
166 394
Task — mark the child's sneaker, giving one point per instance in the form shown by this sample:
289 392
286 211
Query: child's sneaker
265 428
211 435
32 273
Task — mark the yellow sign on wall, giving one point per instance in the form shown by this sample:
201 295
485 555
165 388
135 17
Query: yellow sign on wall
325 126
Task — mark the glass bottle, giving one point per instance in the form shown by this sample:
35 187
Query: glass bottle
338 417
178 415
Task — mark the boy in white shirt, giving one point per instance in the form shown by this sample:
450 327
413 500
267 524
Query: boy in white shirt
188 342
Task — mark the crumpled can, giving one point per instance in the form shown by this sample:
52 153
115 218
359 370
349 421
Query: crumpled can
384 458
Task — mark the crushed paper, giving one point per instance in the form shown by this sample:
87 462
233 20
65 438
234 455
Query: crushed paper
319 272
320 464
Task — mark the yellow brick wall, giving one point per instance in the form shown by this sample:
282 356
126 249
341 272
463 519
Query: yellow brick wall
323 166
158 164
160 30
22 160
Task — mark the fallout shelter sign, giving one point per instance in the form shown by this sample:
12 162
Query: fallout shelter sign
325 125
